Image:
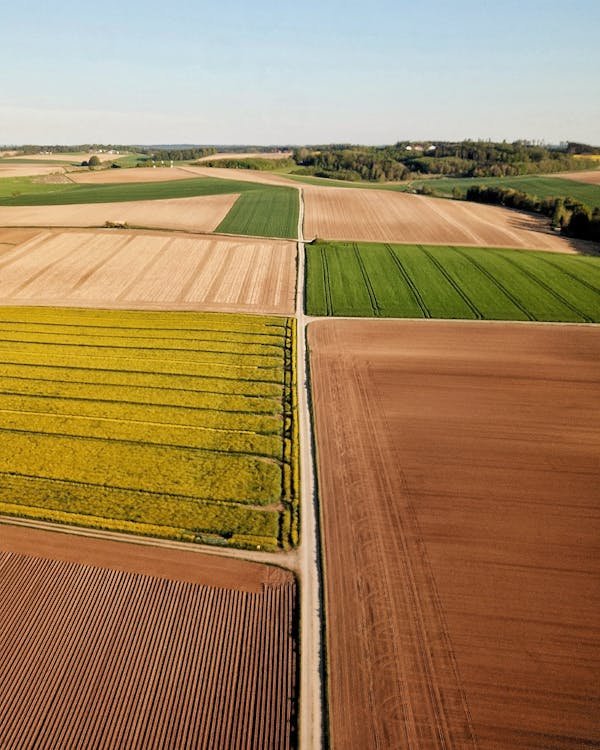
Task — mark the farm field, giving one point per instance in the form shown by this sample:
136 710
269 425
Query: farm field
260 210
591 177
178 425
201 214
386 216
414 281
130 175
129 270
14 171
72 158
461 546
106 644
545 186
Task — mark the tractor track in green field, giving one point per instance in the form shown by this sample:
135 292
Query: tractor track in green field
516 302
409 282
457 288
367 282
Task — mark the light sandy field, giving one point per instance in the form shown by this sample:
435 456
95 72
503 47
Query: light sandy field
590 177
29 170
245 175
10 237
200 214
114 269
250 155
79 157
139 174
460 496
113 645
386 216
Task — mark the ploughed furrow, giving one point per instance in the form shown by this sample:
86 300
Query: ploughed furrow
101 658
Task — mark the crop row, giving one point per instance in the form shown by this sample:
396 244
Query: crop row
103 394
450 282
128 510
124 343
138 323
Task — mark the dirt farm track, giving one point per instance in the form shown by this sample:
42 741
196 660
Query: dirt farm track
173 650
459 483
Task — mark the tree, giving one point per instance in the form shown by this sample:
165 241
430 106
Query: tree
94 161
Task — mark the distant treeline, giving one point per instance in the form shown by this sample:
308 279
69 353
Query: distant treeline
572 217
405 160
250 163
176 154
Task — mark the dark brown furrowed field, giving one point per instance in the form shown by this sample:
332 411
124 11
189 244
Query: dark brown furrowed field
460 492
195 651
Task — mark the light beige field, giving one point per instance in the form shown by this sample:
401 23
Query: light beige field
29 170
386 216
244 175
113 269
200 214
83 156
590 177
145 174
274 155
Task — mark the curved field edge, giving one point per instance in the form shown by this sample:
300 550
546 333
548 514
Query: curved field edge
429 281
67 465
261 210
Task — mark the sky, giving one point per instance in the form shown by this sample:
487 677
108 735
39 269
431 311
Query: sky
279 72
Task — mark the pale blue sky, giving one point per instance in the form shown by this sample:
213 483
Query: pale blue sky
298 72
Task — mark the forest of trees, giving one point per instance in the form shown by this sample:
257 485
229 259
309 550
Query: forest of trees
570 216
405 160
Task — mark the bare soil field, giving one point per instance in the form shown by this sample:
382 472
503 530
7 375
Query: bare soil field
459 483
10 237
111 645
141 174
243 175
74 157
28 170
200 214
130 270
590 177
387 216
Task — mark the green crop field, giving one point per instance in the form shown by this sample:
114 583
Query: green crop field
416 281
268 213
261 210
180 425
541 187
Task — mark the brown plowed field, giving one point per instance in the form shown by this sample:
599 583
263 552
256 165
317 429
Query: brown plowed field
460 493
145 271
145 174
10 237
108 657
591 177
387 216
201 214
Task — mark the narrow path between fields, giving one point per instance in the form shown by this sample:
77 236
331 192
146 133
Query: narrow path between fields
311 647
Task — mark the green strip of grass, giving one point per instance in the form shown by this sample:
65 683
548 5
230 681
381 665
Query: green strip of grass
375 280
